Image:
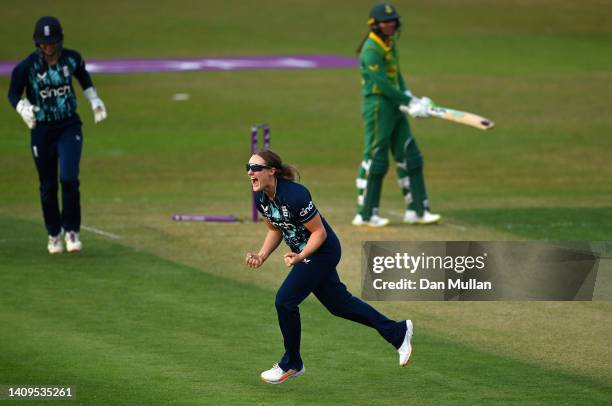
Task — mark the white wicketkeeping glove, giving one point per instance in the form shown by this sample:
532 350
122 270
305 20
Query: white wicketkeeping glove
96 104
27 111
418 108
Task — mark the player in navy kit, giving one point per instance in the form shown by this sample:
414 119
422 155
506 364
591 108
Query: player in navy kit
49 110
290 214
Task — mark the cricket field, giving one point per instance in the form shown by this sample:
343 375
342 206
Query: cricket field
154 311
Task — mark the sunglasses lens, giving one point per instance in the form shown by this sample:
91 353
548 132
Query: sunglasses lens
255 167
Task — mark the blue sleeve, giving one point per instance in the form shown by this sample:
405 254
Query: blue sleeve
81 73
302 206
19 81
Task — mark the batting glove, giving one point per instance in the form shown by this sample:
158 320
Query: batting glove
27 111
97 105
419 108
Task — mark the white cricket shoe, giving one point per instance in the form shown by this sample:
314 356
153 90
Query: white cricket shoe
374 221
55 246
411 217
405 351
73 244
276 375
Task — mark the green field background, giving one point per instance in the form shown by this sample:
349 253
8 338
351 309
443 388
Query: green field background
165 312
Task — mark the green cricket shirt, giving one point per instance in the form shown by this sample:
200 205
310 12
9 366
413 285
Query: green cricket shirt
380 73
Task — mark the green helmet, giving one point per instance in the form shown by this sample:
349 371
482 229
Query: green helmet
382 12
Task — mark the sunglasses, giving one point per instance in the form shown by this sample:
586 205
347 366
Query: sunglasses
256 167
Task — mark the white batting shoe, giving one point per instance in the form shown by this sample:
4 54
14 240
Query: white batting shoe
73 244
405 350
374 221
276 375
54 245
411 217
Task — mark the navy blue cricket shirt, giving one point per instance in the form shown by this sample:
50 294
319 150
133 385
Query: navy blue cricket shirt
291 208
49 87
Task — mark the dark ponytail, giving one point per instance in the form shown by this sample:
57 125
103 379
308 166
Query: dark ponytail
283 170
358 50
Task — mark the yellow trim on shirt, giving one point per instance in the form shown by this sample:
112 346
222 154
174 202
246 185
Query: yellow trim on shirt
379 41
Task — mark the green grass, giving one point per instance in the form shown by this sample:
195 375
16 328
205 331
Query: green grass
136 329
158 314
543 223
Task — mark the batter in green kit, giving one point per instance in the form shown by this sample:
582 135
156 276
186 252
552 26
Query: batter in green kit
386 128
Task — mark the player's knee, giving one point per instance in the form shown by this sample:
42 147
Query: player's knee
336 310
284 304
70 188
69 175
414 163
379 166
70 184
342 306
48 190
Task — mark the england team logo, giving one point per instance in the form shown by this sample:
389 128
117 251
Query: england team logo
285 212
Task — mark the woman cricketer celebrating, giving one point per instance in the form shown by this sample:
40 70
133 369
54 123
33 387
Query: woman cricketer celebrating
49 110
290 214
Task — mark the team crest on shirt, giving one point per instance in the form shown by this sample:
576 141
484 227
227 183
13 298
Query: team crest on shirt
42 76
66 71
285 212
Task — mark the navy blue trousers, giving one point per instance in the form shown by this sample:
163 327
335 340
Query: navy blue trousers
53 145
319 276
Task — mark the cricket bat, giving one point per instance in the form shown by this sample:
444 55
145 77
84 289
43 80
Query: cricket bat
462 117
457 116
